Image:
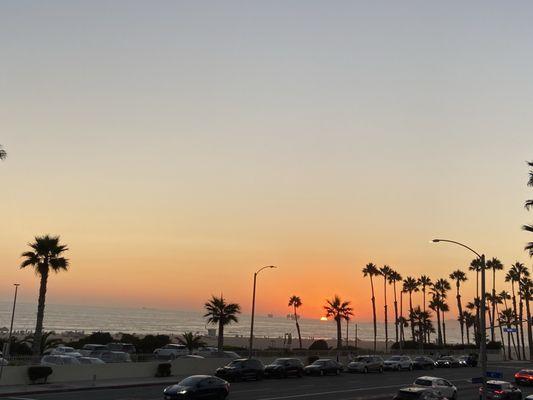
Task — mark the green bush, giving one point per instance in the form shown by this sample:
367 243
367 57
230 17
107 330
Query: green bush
319 344
39 372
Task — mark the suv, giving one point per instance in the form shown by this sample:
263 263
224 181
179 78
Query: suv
284 367
366 364
501 390
443 386
423 362
65 351
89 349
418 393
242 369
125 347
171 351
397 363
323 366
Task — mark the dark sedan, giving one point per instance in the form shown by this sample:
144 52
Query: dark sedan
198 387
323 366
423 363
447 362
284 367
242 369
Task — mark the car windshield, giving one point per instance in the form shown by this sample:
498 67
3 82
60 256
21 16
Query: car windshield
494 386
235 363
320 362
362 359
395 358
525 372
423 382
191 381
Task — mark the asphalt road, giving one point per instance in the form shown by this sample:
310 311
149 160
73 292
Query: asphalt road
343 387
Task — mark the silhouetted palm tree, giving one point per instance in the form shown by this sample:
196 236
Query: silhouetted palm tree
221 313
495 265
371 270
526 287
459 276
296 302
513 277
442 286
504 296
519 271
45 256
386 271
3 153
191 341
469 320
435 304
339 310
424 281
410 285
393 278
529 205
419 319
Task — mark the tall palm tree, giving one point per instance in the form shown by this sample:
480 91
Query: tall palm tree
526 287
504 296
507 318
424 281
410 285
386 271
474 306
295 302
459 276
191 341
3 153
371 271
421 320
46 255
435 304
520 271
513 277
469 320
339 310
495 265
393 278
529 205
221 313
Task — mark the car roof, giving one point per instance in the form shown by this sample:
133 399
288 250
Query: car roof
429 378
414 389
498 382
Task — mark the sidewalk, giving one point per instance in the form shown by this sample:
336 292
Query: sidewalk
19 390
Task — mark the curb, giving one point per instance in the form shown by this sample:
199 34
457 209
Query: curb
84 388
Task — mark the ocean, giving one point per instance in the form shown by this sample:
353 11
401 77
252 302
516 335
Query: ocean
62 318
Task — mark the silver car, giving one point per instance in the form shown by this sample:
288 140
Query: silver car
446 388
366 364
398 363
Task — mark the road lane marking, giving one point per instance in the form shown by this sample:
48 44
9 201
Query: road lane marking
299 396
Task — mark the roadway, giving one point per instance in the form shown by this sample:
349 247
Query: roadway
346 386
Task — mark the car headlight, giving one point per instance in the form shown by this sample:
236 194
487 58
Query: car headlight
184 391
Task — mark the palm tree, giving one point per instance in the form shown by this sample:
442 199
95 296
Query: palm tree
45 256
393 278
435 305
529 205
495 265
410 285
421 320
221 313
191 341
371 270
504 296
459 276
526 287
507 318
513 277
3 154
474 306
296 302
441 287
520 271
47 342
339 310
386 271
469 320
424 281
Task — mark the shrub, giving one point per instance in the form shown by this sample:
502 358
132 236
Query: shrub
319 344
163 370
39 372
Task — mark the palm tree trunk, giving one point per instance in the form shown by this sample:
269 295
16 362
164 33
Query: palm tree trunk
386 316
395 313
411 316
297 327
443 328
461 319
439 331
521 325
515 312
37 336
529 333
467 334
339 332
374 314
220 343
492 336
497 310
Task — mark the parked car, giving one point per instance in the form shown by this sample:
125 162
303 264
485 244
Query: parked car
366 364
87 349
423 362
207 351
198 387
469 360
3 362
501 390
108 356
397 363
242 369
90 360
125 347
323 366
284 367
447 362
66 351
51 360
446 388
230 354
418 393
171 351
524 377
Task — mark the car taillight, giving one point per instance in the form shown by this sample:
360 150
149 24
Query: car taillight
498 392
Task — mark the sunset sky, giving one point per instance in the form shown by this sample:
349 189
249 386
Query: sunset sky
176 147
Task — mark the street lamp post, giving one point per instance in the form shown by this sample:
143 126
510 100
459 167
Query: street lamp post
253 309
482 311
7 346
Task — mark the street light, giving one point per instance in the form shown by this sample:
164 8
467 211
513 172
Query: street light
7 346
253 309
482 311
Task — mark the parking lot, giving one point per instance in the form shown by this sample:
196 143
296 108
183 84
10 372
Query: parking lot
343 387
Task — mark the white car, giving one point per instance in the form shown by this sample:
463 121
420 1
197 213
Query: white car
52 360
444 387
397 363
65 351
207 352
92 348
171 351
90 360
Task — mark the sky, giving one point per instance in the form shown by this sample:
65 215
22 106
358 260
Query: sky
177 147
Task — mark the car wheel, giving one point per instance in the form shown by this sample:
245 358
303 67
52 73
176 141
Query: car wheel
380 370
365 370
337 372
410 367
322 372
